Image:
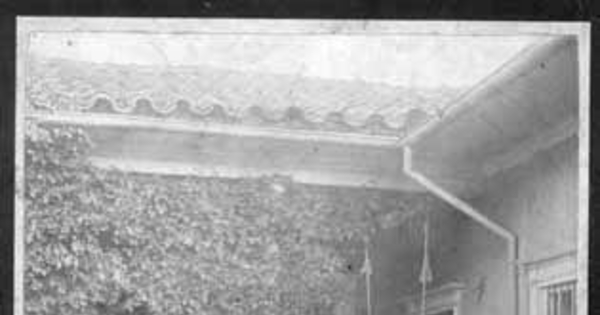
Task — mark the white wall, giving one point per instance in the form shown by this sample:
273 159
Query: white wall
537 201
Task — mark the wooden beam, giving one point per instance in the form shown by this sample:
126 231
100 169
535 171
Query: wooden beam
115 120
342 179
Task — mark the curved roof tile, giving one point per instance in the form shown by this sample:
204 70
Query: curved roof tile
212 94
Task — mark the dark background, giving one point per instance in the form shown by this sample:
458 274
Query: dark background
539 10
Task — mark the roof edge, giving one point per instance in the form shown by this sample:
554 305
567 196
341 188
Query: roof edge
515 67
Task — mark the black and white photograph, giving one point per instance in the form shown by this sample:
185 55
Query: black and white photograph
171 166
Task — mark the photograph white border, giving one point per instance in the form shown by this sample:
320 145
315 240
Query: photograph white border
28 25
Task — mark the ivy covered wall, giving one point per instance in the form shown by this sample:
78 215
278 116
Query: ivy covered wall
105 242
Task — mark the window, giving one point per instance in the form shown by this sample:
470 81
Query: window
552 286
560 299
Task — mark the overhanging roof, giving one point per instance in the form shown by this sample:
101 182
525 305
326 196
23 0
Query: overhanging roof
212 95
217 122
525 108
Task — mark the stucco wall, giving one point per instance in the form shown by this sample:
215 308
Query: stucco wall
537 201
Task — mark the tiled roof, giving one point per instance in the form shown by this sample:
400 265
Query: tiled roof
208 94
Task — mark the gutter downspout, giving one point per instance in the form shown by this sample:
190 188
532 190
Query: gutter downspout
472 213
506 73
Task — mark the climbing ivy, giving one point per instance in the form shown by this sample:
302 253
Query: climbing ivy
105 242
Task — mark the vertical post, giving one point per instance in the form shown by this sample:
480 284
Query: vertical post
423 297
367 270
426 275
